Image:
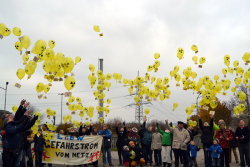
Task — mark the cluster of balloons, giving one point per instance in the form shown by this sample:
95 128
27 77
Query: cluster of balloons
55 65
192 123
50 112
67 117
156 65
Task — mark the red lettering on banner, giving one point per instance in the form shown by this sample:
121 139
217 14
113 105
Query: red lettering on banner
44 154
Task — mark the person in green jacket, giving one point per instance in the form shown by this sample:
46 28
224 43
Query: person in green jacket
217 127
166 145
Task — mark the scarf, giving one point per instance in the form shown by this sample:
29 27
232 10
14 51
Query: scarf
223 133
167 131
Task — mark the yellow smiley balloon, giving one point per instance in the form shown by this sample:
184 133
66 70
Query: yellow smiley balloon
69 83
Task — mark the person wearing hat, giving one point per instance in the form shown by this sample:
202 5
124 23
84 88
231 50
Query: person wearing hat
121 141
139 153
38 147
12 142
216 150
134 136
207 139
224 136
242 135
180 141
147 139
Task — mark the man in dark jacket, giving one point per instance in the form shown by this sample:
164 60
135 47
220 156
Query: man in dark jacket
141 134
38 147
12 142
207 139
122 134
242 135
139 155
83 131
233 145
147 139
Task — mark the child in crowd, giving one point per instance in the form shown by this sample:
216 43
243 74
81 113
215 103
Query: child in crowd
38 147
126 156
193 153
216 150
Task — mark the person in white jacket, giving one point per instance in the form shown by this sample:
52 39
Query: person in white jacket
156 146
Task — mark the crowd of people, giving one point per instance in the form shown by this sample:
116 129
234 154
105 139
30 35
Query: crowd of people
135 147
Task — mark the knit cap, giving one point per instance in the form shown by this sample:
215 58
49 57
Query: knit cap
218 141
222 122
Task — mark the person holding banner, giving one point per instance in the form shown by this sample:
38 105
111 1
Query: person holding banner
139 153
84 131
38 147
106 145
122 134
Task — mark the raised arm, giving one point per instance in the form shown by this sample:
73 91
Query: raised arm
21 110
90 129
211 122
125 129
159 129
144 124
116 128
168 126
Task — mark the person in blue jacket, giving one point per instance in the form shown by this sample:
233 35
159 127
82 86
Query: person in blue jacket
12 142
193 153
38 147
106 145
216 150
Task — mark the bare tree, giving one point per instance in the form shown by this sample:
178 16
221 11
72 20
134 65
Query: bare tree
34 109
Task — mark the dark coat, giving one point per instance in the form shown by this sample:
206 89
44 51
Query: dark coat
192 134
39 142
126 156
13 133
139 153
233 143
207 132
147 139
87 132
244 132
135 138
121 141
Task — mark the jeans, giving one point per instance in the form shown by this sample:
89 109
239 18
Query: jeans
39 158
157 156
108 151
8 159
192 161
225 156
119 149
177 154
244 153
216 162
20 158
207 154
148 152
29 155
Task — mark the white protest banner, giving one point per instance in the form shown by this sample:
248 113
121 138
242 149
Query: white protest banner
71 150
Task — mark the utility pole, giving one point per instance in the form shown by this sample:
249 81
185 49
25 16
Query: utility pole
197 104
62 94
100 67
7 83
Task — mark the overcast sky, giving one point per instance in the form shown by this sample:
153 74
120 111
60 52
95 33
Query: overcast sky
133 32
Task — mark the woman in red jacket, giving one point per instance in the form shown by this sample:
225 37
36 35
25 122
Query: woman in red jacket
224 136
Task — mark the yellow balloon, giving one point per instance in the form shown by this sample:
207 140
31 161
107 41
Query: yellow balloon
78 99
213 104
108 101
180 51
175 105
162 96
49 54
68 64
65 118
25 41
125 81
224 71
46 88
14 108
236 63
6 32
47 66
202 60
96 28
194 48
193 106
71 99
39 87
18 46
150 68
146 111
172 73
193 75
20 73
101 119
29 69
17 31
91 67
157 55
176 68
77 59
25 57
69 83
60 57
52 44
40 47
115 76
177 77
195 59
137 99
